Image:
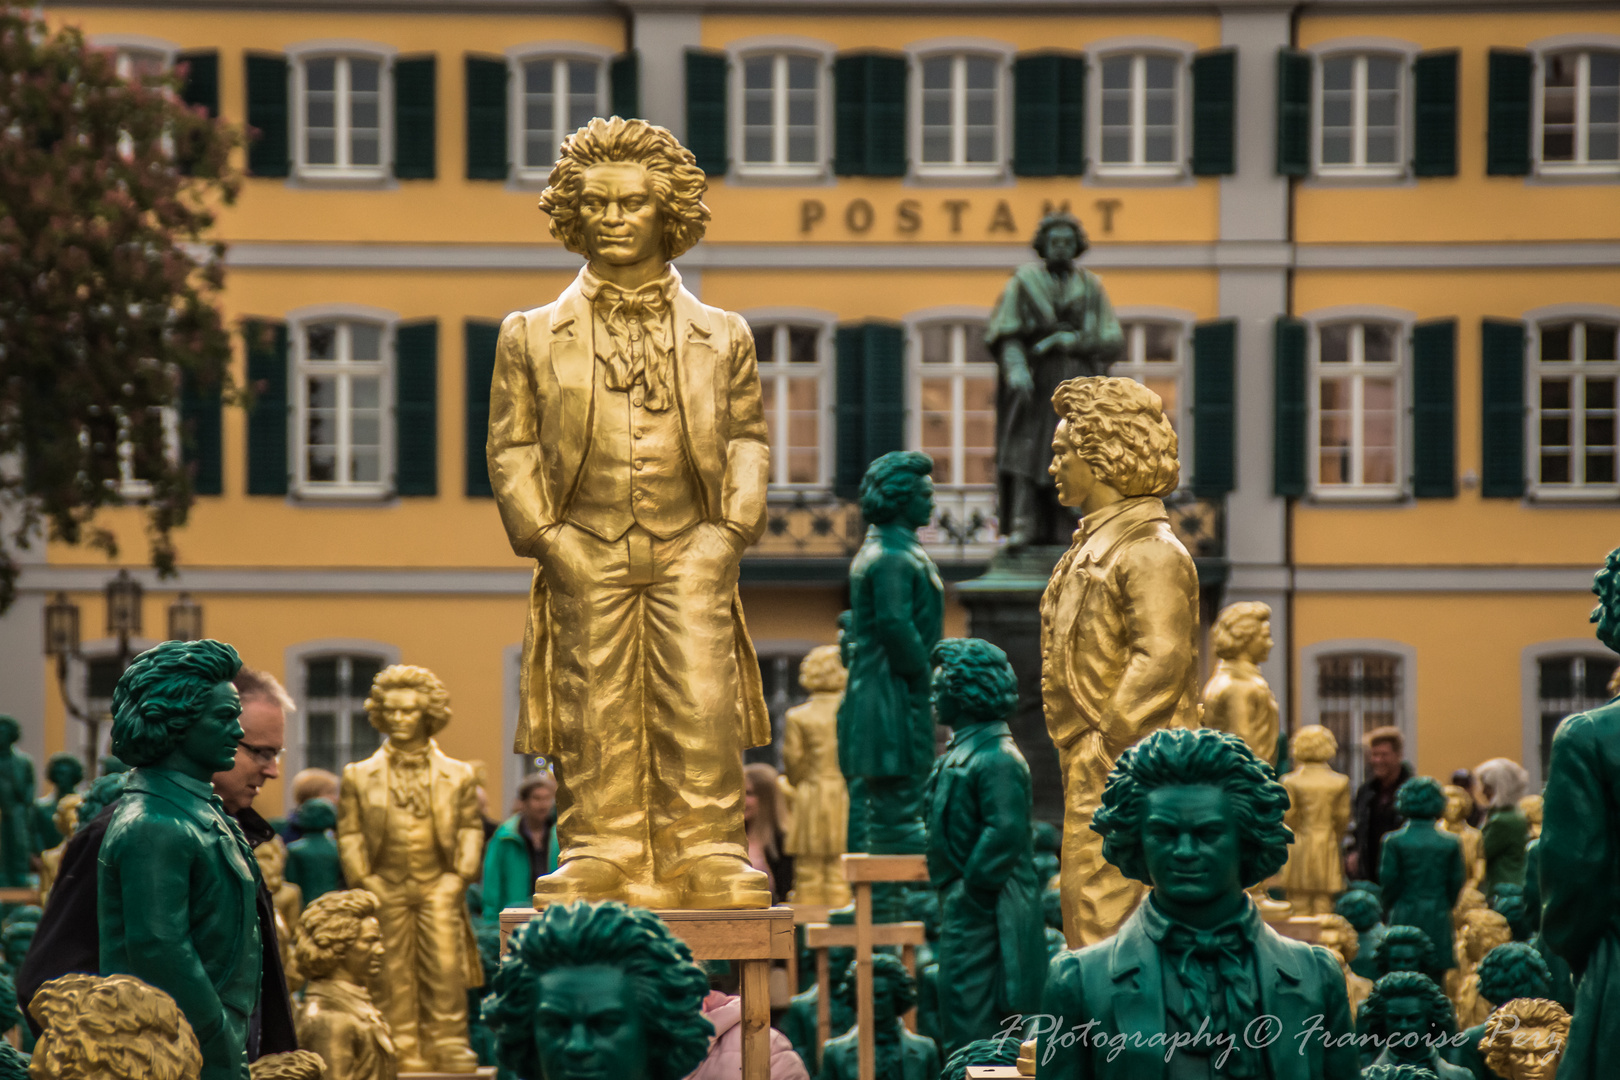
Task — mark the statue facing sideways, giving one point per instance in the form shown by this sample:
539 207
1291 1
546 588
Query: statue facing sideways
341 951
1318 814
1460 804
817 799
1237 698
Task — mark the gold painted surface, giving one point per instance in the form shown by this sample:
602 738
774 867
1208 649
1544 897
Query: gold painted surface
818 801
638 676
1318 814
285 896
341 946
1237 698
1459 804
113 1028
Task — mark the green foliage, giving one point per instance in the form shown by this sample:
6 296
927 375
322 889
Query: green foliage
108 289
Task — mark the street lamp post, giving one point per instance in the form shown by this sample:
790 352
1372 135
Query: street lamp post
185 619
62 644
124 597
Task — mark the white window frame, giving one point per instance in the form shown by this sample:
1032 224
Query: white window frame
298 56
825 325
299 368
959 49
1402 322
1542 50
1406 721
294 657
517 132
1400 51
1530 697
1139 48
957 369
1130 366
123 44
781 47
1533 367
131 486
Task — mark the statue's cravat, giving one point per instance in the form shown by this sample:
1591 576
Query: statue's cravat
408 780
639 345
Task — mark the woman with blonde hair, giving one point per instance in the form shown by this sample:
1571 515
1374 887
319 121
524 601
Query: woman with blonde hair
1506 831
762 818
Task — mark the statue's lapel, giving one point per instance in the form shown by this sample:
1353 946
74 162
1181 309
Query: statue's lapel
697 379
1138 999
572 364
1282 995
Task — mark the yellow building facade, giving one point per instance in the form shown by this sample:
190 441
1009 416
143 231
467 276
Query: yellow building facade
1370 257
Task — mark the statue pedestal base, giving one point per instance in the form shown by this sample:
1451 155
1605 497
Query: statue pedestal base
1004 608
750 939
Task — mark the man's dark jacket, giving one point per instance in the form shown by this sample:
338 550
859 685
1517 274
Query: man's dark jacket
68 941
1373 822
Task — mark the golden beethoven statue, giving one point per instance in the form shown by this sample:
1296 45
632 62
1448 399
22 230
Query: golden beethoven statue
1237 698
1318 814
629 456
1119 623
818 832
409 833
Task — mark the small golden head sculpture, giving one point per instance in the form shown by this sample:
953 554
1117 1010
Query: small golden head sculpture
431 697
113 1028
1118 426
1314 744
295 1065
1525 1038
822 671
1239 629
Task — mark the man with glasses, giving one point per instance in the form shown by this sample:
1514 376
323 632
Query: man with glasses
67 940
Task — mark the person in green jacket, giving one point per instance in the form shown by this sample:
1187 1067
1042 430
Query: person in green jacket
178 884
1506 831
523 848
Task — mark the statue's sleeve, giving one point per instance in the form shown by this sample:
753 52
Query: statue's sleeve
893 577
1389 872
351 835
1003 789
1577 850
1007 317
513 447
748 449
1108 339
469 828
1156 579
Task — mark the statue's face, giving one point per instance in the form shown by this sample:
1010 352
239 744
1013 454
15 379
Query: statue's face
883 999
588 1025
1534 1054
1191 843
1405 957
918 509
1406 1023
210 743
1062 245
8 736
1260 647
65 775
619 214
1345 945
402 717
363 962
1071 473
1454 807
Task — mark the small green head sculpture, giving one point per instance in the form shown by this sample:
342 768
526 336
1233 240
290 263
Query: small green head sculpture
1408 1012
10 732
9 1012
1057 221
1052 907
1514 970
973 683
894 991
1361 909
100 795
1204 784
1404 948
1421 799
1606 584
897 487
316 815
175 703
590 991
65 772
980 1052
1507 899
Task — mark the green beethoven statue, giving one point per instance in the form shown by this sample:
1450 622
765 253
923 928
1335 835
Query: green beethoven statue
16 806
992 952
1406 1020
65 773
900 1054
590 991
178 884
1198 817
1364 912
1052 323
313 863
1579 857
1420 867
1508 972
886 721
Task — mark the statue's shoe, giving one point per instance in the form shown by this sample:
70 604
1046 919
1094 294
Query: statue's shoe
580 879
455 1059
725 883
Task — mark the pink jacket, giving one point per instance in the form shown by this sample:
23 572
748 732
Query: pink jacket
725 1049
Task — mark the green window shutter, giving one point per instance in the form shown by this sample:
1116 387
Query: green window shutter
202 79
1291 410
267 461
1214 408
486 118
201 435
849 439
885 386
870 106
849 108
1434 114
481 339
1214 113
1071 116
269 152
1434 409
415 145
416 414
1507 131
624 82
1502 423
1293 112
1049 114
706 110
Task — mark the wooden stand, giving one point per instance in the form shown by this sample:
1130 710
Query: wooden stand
823 936
21 894
803 915
992 1072
750 939
862 871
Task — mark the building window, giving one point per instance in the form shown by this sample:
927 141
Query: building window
1576 373
336 728
1357 408
792 375
134 474
1153 352
1567 685
138 65
342 116
961 114
341 387
1580 111
558 96
1359 122
1141 114
956 394
781 123
1355 693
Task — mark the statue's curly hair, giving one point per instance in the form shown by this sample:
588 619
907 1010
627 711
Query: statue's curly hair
1220 759
1118 426
101 794
113 1028
669 988
10 1013
822 670
1403 935
1509 899
890 967
64 760
1059 219
1606 584
10 729
1347 933
1484 930
980 1052
1504 1030
1421 798
315 815
410 677
1237 627
672 173
1314 743
1514 970
159 696
327 929
13 1063
1362 909
976 678
1371 1019
889 482
293 1065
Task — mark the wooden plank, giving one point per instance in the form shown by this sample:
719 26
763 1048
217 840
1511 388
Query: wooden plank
992 1072
19 895
824 993
758 934
842 935
809 913
865 1004
756 1019
860 866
